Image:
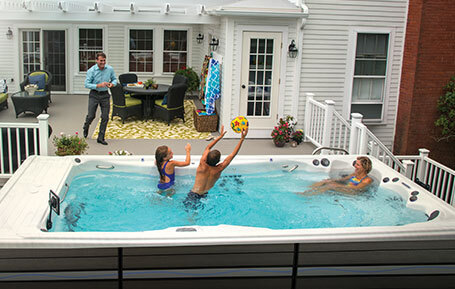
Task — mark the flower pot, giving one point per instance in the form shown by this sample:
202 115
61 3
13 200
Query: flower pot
279 143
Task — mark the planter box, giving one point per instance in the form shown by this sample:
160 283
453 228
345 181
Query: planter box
205 123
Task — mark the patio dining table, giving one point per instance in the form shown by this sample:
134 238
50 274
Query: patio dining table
148 96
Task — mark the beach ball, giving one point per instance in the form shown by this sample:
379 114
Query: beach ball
239 123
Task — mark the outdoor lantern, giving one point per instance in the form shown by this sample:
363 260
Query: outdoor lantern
9 33
214 44
200 38
292 50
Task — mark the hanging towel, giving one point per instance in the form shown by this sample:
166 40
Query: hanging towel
204 71
212 91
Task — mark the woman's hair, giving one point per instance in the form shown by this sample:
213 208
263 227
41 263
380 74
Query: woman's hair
366 163
160 154
213 158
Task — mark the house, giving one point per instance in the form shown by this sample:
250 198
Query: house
272 52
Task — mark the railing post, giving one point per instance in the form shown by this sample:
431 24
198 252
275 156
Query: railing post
43 133
408 168
328 119
423 153
363 145
353 139
307 124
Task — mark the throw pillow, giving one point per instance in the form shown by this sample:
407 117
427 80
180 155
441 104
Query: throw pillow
164 100
3 86
39 80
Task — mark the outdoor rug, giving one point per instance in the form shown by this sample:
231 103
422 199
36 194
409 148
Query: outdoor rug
134 128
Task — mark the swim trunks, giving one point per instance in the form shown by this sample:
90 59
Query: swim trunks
165 186
193 200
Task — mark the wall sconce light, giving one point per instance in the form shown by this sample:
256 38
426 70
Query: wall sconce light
9 33
199 38
214 44
292 50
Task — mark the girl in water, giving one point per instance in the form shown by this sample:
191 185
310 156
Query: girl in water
351 184
166 166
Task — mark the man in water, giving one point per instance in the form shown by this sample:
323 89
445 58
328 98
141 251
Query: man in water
209 171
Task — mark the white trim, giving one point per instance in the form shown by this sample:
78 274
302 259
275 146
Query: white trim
126 46
105 49
284 30
350 64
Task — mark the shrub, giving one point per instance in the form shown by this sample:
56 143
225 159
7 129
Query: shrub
191 75
446 106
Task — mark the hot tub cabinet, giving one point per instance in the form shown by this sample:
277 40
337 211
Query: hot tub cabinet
420 255
385 264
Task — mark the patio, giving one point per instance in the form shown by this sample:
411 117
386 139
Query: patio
67 114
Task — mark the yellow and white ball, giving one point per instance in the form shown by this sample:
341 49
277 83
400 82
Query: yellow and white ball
239 123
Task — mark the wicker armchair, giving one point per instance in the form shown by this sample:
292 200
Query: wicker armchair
124 107
174 106
47 86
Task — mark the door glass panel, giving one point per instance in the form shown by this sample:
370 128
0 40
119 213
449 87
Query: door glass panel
54 58
31 55
260 77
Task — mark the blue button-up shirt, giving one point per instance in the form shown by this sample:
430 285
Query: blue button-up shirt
95 75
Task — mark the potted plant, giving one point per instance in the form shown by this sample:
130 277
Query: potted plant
280 134
191 75
69 144
31 88
150 83
297 136
120 153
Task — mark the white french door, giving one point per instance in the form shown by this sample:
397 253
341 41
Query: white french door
260 78
45 49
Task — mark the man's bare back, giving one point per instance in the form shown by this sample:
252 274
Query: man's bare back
206 174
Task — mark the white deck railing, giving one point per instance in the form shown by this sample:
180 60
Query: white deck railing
435 177
20 140
325 127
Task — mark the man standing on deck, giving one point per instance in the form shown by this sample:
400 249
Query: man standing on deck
99 78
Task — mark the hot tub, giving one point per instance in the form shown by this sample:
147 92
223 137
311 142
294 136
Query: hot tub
24 211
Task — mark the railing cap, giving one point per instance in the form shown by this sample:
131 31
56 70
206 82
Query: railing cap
42 117
424 151
356 115
330 102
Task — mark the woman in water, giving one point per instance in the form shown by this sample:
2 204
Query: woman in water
166 166
351 184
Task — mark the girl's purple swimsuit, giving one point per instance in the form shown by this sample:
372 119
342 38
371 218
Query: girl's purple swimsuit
165 186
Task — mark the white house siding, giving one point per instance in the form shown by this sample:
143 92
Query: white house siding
325 49
8 57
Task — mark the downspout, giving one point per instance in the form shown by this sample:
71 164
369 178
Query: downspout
298 65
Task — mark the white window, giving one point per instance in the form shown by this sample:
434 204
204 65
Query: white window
175 50
141 50
90 43
370 70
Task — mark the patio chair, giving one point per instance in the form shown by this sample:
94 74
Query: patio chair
3 101
174 106
126 78
178 78
33 77
124 107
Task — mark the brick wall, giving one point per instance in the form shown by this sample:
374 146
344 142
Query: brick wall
428 64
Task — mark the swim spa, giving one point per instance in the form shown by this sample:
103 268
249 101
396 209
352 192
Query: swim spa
24 211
